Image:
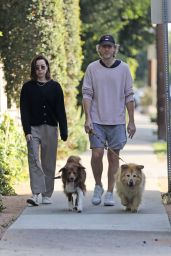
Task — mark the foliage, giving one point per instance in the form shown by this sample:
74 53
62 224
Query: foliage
147 98
1 204
73 45
127 20
15 47
137 31
12 156
38 29
78 140
142 69
77 137
160 148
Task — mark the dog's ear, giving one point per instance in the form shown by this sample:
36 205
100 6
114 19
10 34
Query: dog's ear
81 177
124 167
140 167
64 174
82 173
62 169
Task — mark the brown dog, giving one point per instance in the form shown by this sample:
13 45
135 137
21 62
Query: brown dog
130 182
73 178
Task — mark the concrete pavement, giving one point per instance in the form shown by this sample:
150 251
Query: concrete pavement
98 230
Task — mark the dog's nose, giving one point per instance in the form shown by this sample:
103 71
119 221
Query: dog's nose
71 179
131 183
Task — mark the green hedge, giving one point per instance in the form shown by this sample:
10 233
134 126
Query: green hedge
13 158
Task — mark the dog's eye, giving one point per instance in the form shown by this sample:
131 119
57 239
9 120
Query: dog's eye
134 176
128 175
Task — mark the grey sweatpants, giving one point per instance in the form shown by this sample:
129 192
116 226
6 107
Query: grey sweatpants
42 152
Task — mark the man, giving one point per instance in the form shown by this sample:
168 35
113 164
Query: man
107 91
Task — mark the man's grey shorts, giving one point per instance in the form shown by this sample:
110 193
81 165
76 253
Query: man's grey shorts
113 135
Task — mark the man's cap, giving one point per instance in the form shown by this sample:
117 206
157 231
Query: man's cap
107 40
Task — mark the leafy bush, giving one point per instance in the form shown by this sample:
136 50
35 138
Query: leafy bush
77 139
160 148
12 156
1 204
147 98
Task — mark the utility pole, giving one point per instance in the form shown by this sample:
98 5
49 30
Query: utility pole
161 14
161 97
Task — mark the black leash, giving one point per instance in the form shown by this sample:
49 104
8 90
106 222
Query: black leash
37 162
105 144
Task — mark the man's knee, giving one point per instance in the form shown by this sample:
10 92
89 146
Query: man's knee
113 155
97 154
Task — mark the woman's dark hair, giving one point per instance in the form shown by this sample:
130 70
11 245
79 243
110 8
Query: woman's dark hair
33 67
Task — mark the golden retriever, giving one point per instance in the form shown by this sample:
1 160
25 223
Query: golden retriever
130 182
73 178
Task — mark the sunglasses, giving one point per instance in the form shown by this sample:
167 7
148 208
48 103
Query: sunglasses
42 67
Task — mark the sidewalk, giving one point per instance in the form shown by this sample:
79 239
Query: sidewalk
98 230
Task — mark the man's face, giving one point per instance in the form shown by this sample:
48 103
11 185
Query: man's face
107 51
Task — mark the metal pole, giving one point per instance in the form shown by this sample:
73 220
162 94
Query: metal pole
167 89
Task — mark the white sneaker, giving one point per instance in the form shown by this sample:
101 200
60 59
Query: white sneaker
108 200
33 200
46 200
98 191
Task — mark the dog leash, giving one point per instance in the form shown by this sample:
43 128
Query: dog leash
105 145
37 162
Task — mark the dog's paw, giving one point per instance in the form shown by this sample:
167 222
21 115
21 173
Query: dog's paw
79 209
127 209
134 210
124 202
70 209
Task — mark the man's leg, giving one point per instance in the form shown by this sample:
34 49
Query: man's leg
113 161
113 164
97 167
97 164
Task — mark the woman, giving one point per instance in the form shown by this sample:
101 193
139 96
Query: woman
42 109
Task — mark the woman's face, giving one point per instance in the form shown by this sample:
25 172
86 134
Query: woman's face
41 69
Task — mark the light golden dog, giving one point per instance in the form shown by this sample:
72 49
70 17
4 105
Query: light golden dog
130 182
73 178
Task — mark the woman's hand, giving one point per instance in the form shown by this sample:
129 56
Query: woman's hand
28 137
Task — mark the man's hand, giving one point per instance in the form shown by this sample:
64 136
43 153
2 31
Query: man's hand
131 129
88 126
